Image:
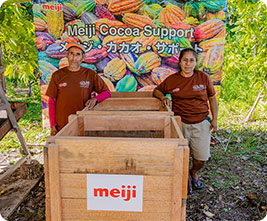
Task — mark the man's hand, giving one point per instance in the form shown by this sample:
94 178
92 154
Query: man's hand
91 103
213 126
53 131
166 102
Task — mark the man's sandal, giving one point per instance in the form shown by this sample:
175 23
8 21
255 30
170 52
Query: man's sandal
196 184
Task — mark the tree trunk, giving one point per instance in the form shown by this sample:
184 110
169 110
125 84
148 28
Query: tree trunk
2 70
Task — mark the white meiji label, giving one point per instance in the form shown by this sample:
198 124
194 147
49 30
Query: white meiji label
115 192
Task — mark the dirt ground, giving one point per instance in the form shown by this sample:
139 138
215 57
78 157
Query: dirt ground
234 183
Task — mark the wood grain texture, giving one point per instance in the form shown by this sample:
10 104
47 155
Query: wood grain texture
156 188
75 209
128 113
118 156
71 129
123 133
177 184
131 104
47 185
6 125
185 171
54 182
131 94
80 122
124 122
175 128
167 127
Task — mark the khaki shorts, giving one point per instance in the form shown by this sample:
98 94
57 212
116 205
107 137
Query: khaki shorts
198 136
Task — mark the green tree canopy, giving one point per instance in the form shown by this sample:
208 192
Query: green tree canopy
245 65
17 38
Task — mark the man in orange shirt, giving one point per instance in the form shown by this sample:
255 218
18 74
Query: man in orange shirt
70 89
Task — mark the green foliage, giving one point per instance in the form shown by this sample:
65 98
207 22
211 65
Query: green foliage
245 64
17 38
30 124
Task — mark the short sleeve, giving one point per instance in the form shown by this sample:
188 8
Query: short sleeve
210 89
99 84
52 88
162 87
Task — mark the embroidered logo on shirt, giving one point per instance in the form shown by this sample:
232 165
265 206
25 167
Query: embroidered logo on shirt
198 87
84 84
63 84
176 90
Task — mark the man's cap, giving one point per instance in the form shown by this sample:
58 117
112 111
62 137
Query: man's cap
68 46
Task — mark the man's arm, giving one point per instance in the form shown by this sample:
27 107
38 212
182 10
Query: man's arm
214 112
97 99
164 101
52 115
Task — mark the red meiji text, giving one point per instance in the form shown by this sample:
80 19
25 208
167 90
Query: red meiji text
127 193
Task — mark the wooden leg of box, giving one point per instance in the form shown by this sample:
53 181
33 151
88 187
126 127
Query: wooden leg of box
167 127
185 172
185 182
183 210
55 200
81 125
177 184
47 209
47 192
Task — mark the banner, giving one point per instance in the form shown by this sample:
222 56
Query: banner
132 44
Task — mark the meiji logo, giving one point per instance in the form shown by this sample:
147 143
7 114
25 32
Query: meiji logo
115 192
176 90
84 84
198 87
63 84
125 194
55 7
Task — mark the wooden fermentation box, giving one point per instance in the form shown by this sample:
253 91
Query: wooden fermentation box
122 135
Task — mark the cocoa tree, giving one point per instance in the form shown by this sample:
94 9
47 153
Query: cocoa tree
17 38
245 65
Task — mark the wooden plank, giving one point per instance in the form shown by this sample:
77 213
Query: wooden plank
7 126
46 172
175 128
80 121
124 122
179 122
185 171
177 184
122 133
71 117
182 142
119 216
54 182
125 104
117 156
75 209
155 187
71 129
47 209
128 113
47 186
131 94
14 194
3 114
183 210
167 127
